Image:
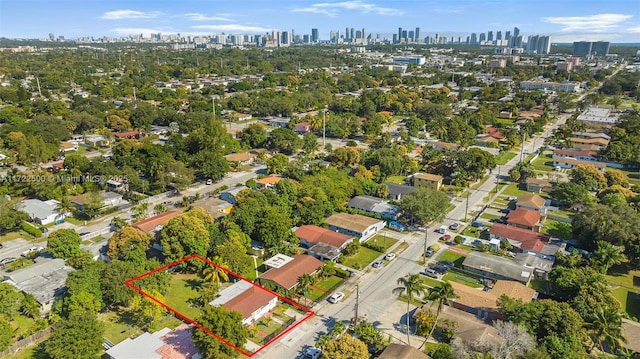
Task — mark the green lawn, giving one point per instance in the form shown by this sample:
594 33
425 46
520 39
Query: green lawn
629 284
453 257
628 301
384 241
183 288
561 213
471 232
467 279
361 259
513 190
505 156
543 163
116 330
557 229
15 235
396 179
328 283
489 216
539 285
431 282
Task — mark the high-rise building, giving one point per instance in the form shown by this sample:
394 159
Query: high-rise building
600 48
417 35
582 48
404 36
286 38
352 34
52 37
499 35
539 44
399 34
507 35
364 34
395 39
411 36
314 35
346 34
490 36
474 39
358 34
468 40
483 37
516 31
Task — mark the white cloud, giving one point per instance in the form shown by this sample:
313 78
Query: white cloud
333 9
129 14
569 38
146 32
448 10
590 23
194 16
635 29
232 28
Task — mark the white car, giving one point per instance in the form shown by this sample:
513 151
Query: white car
336 297
312 353
209 181
389 256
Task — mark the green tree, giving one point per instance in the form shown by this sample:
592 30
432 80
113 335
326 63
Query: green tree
253 136
82 302
6 334
29 306
64 243
304 283
127 240
410 285
570 193
184 235
606 256
114 291
145 310
425 204
426 321
226 324
284 140
345 347
79 336
440 298
277 163
10 299
615 101
607 328
589 177
215 274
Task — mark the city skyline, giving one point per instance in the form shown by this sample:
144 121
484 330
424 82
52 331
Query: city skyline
566 21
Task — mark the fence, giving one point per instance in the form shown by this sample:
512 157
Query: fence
281 329
32 339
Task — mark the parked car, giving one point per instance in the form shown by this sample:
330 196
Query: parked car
445 238
390 256
431 273
440 268
1 246
454 226
377 264
442 230
44 229
31 250
7 260
449 264
312 353
336 297
209 181
429 252
477 224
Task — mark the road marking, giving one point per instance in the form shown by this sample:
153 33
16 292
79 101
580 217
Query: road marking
292 337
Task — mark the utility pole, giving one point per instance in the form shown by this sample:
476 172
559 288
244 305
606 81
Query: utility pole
522 147
355 319
426 239
213 107
134 94
466 209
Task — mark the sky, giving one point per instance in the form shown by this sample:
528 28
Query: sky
565 20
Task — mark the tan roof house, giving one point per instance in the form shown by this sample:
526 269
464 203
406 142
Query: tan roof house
355 225
427 180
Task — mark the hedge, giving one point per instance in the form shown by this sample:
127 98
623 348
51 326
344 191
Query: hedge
31 229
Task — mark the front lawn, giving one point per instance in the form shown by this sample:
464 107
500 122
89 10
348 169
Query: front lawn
383 241
543 163
513 190
15 235
539 285
454 257
629 285
489 216
361 259
471 232
557 229
505 156
328 283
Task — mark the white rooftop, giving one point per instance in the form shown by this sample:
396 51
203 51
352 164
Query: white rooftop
231 292
277 261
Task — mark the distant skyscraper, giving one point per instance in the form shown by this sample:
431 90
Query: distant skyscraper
474 39
490 36
399 34
346 34
404 36
515 38
507 35
539 44
286 38
411 36
483 37
417 35
468 40
358 34
314 35
395 39
52 37
600 48
352 36
364 34
499 35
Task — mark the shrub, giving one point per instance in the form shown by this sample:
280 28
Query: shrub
31 229
457 240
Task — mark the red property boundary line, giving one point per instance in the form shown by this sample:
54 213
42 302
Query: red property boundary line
130 284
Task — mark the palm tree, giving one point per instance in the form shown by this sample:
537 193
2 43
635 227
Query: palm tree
304 282
410 285
615 101
441 297
65 206
607 327
606 256
140 211
215 274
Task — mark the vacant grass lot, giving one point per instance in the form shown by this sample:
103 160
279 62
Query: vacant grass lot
396 179
628 282
456 258
383 241
557 229
504 157
15 235
467 279
183 288
361 259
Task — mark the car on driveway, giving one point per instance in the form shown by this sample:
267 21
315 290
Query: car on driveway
31 250
390 256
431 273
454 226
336 297
377 264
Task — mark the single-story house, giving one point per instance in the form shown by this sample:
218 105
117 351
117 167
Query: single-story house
281 122
445 146
324 251
42 212
483 303
311 235
247 298
592 135
401 351
570 163
427 180
538 185
582 155
532 201
355 225
523 268
108 199
268 182
236 116
68 146
165 343
288 272
374 205
525 218
521 240
397 191
579 142
154 225
303 127
243 158
113 185
45 280
128 134
96 141
217 207
231 194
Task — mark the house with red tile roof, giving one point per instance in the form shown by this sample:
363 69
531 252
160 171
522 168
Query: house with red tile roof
154 224
128 134
303 127
310 235
526 219
247 298
268 182
287 275
522 240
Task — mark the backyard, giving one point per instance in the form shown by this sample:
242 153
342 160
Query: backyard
557 229
628 287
